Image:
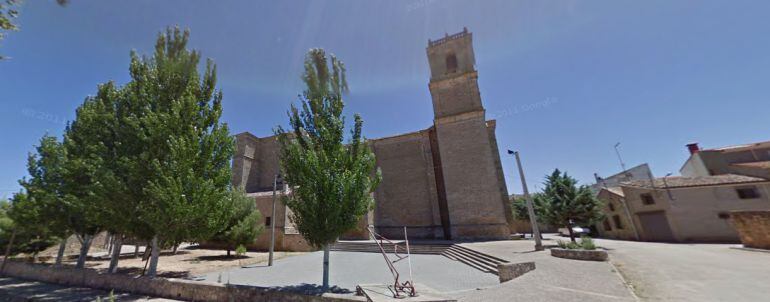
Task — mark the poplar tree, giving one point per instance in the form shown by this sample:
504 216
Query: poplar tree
187 150
331 181
564 203
81 183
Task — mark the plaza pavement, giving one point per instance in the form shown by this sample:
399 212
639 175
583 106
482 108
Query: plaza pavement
554 279
692 272
349 269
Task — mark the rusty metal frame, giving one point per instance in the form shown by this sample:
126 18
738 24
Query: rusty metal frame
407 287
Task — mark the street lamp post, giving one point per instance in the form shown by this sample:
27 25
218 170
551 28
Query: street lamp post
272 221
530 207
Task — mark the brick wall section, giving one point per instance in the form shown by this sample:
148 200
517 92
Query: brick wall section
162 287
753 228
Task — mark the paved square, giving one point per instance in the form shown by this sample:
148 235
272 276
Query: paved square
349 269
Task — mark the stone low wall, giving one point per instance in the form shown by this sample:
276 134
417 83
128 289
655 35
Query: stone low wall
753 227
510 271
589 255
163 287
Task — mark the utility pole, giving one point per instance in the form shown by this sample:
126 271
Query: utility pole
622 164
530 207
272 222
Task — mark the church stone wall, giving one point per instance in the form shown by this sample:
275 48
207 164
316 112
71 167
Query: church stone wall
406 196
473 191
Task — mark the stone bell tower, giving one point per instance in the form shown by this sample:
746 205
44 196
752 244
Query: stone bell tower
476 200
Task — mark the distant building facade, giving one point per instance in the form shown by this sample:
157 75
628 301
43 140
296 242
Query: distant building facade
443 182
639 172
696 206
750 159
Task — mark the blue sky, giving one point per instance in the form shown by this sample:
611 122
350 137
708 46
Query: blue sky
566 80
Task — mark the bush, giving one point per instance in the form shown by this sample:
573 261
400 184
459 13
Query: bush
240 250
586 243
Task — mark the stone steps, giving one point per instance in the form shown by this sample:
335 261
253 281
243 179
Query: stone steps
475 259
372 247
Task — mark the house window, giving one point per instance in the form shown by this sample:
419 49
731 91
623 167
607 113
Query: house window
451 63
618 223
607 226
611 206
747 192
647 199
268 221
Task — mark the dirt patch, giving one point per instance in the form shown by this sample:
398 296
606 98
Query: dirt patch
187 262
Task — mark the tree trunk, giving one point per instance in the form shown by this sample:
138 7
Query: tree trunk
84 246
60 253
325 286
8 250
571 234
176 246
228 252
136 249
153 270
117 246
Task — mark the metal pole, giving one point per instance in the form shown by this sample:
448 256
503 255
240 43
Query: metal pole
622 165
409 259
272 223
530 207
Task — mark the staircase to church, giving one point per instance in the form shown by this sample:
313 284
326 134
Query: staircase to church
456 252
433 248
474 259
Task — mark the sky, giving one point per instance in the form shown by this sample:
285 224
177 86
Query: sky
565 80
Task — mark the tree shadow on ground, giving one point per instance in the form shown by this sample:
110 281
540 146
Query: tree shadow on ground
137 271
217 258
310 289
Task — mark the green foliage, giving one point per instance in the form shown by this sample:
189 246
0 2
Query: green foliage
240 250
567 244
23 217
519 207
243 226
186 150
332 181
563 201
8 12
586 243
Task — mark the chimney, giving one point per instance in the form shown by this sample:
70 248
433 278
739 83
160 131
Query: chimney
693 148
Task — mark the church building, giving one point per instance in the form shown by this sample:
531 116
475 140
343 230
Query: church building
443 182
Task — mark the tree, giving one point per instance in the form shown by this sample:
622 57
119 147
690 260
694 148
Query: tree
8 13
45 190
81 183
331 181
243 226
519 206
184 159
567 204
32 233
